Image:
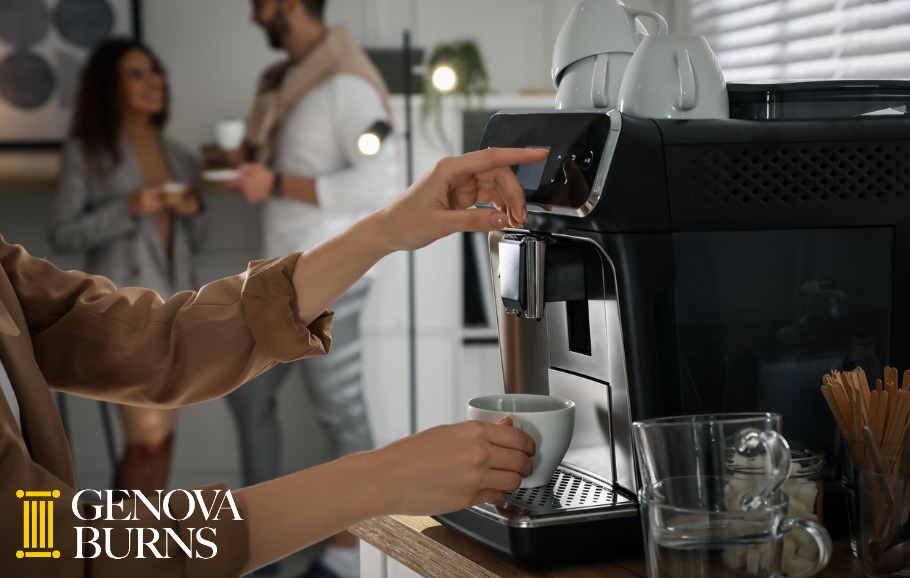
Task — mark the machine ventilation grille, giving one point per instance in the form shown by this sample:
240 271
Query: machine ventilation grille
794 175
566 491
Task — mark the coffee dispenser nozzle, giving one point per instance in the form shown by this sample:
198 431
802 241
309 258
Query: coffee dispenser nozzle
521 274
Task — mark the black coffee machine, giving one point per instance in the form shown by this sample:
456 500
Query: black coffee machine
694 266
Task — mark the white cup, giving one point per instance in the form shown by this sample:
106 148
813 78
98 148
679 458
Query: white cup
549 420
173 192
229 134
674 77
592 51
593 82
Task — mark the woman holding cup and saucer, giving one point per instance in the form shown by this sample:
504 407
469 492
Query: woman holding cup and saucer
125 200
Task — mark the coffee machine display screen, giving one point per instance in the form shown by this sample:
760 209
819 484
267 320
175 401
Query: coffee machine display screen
576 142
531 175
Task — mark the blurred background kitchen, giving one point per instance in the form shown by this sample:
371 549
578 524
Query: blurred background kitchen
213 55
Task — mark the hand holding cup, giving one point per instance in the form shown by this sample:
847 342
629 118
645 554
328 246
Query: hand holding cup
549 420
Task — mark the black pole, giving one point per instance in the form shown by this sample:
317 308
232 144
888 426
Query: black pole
409 164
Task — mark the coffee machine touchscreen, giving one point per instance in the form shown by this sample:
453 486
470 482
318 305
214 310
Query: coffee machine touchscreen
572 173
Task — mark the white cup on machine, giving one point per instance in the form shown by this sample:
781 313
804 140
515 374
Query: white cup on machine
674 77
548 419
593 49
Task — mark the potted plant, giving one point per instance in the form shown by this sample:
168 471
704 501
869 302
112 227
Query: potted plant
454 68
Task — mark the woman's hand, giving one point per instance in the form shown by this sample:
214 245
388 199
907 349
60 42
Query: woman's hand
451 467
188 206
438 204
254 184
147 201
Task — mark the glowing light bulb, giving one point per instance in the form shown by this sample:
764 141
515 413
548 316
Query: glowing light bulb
369 144
444 78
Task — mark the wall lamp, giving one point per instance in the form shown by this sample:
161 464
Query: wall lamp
444 78
369 143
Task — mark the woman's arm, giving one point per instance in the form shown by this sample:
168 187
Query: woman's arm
78 221
442 469
438 204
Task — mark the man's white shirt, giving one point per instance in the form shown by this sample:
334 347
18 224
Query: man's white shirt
319 140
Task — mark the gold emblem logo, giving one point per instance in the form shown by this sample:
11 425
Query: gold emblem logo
37 524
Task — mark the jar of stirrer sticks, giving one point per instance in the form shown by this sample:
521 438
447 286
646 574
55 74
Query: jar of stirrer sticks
873 423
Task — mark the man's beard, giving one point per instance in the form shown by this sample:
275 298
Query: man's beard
277 30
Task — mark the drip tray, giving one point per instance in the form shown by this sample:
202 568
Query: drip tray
574 517
570 496
566 491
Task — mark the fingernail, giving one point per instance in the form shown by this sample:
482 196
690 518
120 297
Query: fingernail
498 220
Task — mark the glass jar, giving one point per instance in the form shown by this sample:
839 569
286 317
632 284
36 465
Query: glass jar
806 484
805 490
804 487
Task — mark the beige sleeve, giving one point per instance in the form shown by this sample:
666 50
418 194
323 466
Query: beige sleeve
130 346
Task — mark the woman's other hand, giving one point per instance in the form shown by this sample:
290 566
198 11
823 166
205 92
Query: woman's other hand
451 467
147 201
440 202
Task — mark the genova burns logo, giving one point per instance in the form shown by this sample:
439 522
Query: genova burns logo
178 536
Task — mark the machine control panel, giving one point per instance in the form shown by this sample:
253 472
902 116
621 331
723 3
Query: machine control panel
573 174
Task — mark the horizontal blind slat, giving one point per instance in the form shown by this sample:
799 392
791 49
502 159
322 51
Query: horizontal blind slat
765 13
706 9
891 66
894 39
803 22
806 39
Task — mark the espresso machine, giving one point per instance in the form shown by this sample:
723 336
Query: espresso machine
675 267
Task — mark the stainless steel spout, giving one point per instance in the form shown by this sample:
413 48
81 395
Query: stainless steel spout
521 273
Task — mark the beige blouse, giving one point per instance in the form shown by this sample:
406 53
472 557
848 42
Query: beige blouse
77 333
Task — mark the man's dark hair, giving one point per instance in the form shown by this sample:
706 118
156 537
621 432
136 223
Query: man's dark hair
314 8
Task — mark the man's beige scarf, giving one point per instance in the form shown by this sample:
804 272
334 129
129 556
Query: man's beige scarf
276 95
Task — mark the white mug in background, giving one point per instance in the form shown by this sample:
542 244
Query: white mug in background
549 420
592 51
593 82
229 134
674 77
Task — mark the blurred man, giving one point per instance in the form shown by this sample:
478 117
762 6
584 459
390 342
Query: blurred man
309 114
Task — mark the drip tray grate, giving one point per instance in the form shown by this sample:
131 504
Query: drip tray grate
567 490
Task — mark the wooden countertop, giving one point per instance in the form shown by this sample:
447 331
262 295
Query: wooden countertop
430 549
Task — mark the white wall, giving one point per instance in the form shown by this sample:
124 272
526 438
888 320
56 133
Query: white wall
213 52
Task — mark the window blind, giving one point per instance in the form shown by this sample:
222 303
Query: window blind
806 39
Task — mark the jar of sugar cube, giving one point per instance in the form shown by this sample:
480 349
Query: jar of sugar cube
805 490
805 486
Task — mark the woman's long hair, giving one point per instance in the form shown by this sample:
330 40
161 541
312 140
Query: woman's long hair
98 116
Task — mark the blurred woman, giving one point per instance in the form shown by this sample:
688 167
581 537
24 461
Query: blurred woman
127 199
